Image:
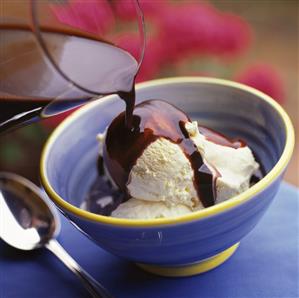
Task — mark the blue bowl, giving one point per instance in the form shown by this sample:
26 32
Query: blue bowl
192 243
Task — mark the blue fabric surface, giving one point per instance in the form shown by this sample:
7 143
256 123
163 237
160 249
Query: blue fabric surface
265 265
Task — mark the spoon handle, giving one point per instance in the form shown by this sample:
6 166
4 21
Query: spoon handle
95 289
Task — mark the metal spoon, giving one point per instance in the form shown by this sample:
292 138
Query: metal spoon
30 222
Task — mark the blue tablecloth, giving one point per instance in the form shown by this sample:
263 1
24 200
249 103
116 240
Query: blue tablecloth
265 265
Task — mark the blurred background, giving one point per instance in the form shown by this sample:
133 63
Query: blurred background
253 42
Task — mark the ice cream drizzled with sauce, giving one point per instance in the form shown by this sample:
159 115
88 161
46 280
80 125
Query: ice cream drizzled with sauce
166 165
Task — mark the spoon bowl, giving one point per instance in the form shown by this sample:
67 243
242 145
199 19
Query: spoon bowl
30 220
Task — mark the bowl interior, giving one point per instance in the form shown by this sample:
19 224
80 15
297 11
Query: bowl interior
72 158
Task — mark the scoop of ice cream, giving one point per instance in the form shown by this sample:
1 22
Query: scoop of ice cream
163 173
235 164
140 209
169 166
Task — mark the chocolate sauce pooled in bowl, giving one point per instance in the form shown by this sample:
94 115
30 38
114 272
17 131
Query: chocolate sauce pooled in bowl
153 119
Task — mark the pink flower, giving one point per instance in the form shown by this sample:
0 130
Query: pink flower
93 16
196 28
264 78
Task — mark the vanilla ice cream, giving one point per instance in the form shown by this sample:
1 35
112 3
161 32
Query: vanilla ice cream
161 183
235 166
141 209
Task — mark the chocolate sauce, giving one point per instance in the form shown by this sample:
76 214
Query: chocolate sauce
102 198
129 99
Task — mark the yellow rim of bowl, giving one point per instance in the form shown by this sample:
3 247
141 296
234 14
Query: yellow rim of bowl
262 184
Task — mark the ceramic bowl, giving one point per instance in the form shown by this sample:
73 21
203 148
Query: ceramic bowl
192 243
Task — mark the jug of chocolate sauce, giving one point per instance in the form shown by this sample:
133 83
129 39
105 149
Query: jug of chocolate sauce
48 69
